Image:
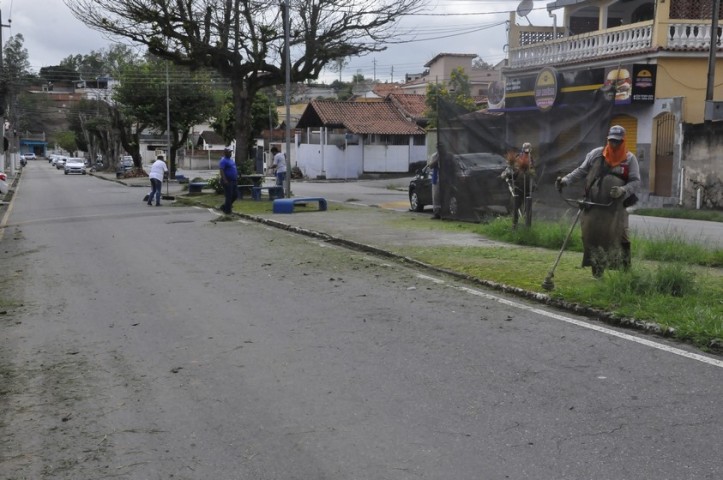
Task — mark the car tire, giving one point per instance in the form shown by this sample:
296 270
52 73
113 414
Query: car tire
66 172
414 204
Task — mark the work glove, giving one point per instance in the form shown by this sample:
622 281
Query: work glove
559 183
617 192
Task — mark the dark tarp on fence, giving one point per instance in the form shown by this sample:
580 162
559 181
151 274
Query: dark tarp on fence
475 147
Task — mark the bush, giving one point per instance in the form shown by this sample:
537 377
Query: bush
215 184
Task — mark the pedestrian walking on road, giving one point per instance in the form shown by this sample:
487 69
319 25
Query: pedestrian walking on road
158 172
229 180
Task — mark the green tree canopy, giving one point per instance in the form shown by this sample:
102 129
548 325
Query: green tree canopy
15 71
142 93
263 113
456 91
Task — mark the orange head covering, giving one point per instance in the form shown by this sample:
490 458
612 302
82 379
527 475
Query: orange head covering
615 152
614 156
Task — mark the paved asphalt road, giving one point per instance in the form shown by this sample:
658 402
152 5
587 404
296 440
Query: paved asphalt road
158 342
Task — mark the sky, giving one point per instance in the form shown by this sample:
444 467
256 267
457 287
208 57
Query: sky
51 33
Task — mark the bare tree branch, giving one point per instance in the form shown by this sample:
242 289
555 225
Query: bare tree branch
243 40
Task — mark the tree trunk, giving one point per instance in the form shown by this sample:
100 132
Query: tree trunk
179 140
242 99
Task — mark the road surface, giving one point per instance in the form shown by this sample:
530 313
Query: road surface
159 342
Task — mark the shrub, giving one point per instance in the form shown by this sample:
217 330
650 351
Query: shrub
215 184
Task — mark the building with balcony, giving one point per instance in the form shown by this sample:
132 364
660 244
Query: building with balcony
653 56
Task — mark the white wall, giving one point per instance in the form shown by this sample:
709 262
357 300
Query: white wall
351 161
315 160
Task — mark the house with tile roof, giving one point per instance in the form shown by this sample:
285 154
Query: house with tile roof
347 139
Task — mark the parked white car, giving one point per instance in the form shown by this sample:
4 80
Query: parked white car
60 162
74 165
3 183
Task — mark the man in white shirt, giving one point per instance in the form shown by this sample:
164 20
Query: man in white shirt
279 166
158 170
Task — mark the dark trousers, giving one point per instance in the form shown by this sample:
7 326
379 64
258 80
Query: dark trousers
230 193
156 186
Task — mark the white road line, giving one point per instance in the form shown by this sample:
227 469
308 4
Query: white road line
579 323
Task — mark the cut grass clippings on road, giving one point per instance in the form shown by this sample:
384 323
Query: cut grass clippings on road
671 283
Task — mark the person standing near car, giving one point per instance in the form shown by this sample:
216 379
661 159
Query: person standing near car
279 165
229 180
433 165
158 172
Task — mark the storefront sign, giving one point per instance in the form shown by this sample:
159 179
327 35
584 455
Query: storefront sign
633 83
644 83
546 89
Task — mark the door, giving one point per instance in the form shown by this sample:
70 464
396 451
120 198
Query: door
664 141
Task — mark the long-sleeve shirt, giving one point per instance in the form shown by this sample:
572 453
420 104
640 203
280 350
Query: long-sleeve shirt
629 165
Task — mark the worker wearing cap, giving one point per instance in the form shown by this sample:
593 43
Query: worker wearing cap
613 159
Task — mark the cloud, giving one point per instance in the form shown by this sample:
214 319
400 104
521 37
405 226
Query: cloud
51 33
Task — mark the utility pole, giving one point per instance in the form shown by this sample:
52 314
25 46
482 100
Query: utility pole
3 98
712 51
287 68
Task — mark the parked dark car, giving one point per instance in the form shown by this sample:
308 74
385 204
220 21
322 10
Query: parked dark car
469 184
475 185
420 190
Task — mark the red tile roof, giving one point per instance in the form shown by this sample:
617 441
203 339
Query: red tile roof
411 105
358 117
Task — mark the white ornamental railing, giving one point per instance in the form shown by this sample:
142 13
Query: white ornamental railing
691 35
614 41
589 45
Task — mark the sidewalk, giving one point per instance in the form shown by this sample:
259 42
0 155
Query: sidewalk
368 227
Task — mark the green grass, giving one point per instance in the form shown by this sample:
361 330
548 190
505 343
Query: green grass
687 299
550 235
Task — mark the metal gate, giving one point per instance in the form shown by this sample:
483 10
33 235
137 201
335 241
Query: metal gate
664 143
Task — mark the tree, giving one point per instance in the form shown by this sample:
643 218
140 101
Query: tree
66 141
263 112
457 91
245 41
141 96
96 122
480 64
15 58
15 70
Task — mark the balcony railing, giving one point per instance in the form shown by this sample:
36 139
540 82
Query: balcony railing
613 41
691 35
